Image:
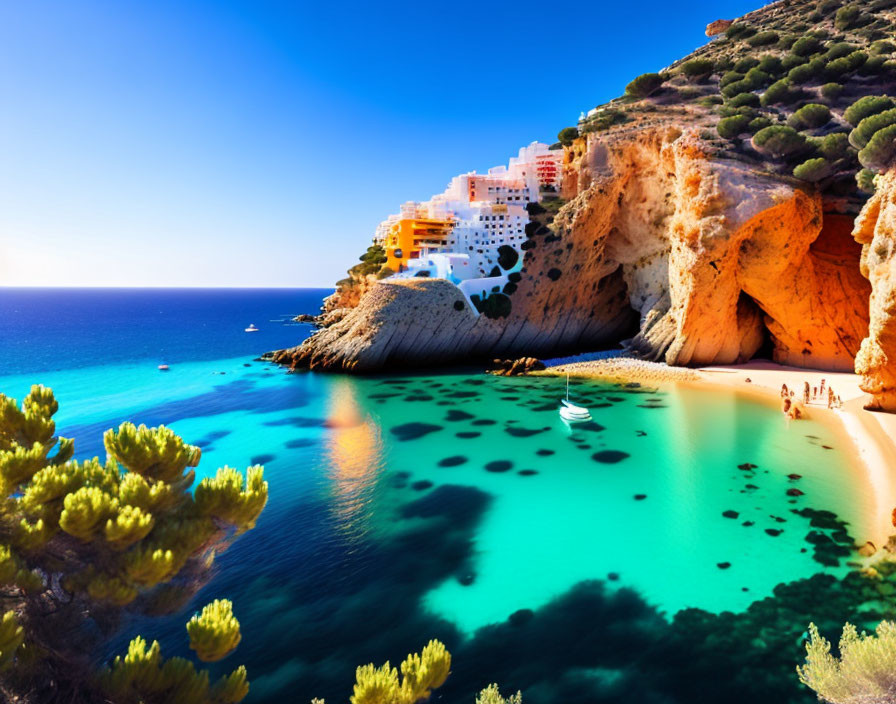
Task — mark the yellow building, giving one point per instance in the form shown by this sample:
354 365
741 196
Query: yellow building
408 237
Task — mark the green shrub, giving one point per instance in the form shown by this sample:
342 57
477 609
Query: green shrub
873 66
710 100
847 17
786 41
834 146
813 170
740 30
863 672
771 64
731 127
764 38
759 123
745 64
644 85
779 141
839 50
810 116
792 60
879 153
744 100
806 72
831 91
867 106
826 7
757 78
805 46
730 77
736 88
697 68
567 135
883 46
865 181
866 129
507 257
882 5
778 93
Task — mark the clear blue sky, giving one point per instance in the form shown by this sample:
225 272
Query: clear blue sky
182 142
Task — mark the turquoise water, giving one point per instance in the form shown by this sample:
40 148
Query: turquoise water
460 506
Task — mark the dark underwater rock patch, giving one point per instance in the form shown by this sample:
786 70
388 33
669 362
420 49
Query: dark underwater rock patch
454 416
499 466
419 397
485 421
453 461
774 532
521 617
262 459
730 514
544 453
640 497
747 524
795 492
298 422
527 472
747 466
468 434
298 443
609 456
524 432
794 477
422 485
463 394
414 431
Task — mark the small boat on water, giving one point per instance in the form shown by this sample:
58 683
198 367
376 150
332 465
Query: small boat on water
164 367
570 412
251 328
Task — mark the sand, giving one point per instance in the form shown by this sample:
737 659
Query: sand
873 435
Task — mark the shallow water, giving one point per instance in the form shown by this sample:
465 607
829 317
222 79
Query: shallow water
460 506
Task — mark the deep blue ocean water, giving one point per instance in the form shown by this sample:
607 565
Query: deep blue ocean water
585 565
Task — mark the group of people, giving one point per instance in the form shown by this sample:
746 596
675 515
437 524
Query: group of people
793 408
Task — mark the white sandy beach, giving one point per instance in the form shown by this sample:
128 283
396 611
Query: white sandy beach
872 434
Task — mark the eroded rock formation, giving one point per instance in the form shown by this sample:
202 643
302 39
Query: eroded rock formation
711 256
875 230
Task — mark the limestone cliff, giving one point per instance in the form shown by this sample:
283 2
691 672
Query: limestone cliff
876 231
713 256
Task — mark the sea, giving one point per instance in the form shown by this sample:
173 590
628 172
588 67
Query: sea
675 549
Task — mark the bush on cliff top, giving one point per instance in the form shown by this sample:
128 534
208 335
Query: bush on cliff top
810 116
731 127
880 152
644 85
697 68
779 141
813 170
567 135
868 127
867 106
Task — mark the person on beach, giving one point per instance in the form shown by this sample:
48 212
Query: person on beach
822 387
785 407
806 392
783 390
814 392
830 397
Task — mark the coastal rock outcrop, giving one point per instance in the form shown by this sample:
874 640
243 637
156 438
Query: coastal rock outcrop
713 29
704 259
875 230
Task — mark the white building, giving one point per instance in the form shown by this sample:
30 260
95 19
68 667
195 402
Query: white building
488 211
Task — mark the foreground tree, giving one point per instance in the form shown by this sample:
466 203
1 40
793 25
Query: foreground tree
864 673
83 542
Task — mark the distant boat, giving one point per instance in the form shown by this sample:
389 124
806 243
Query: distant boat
163 367
251 328
570 412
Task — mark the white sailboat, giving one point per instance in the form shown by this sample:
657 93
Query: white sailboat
251 328
570 412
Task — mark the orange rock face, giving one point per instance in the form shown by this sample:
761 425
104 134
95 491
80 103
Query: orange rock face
715 28
702 260
875 230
